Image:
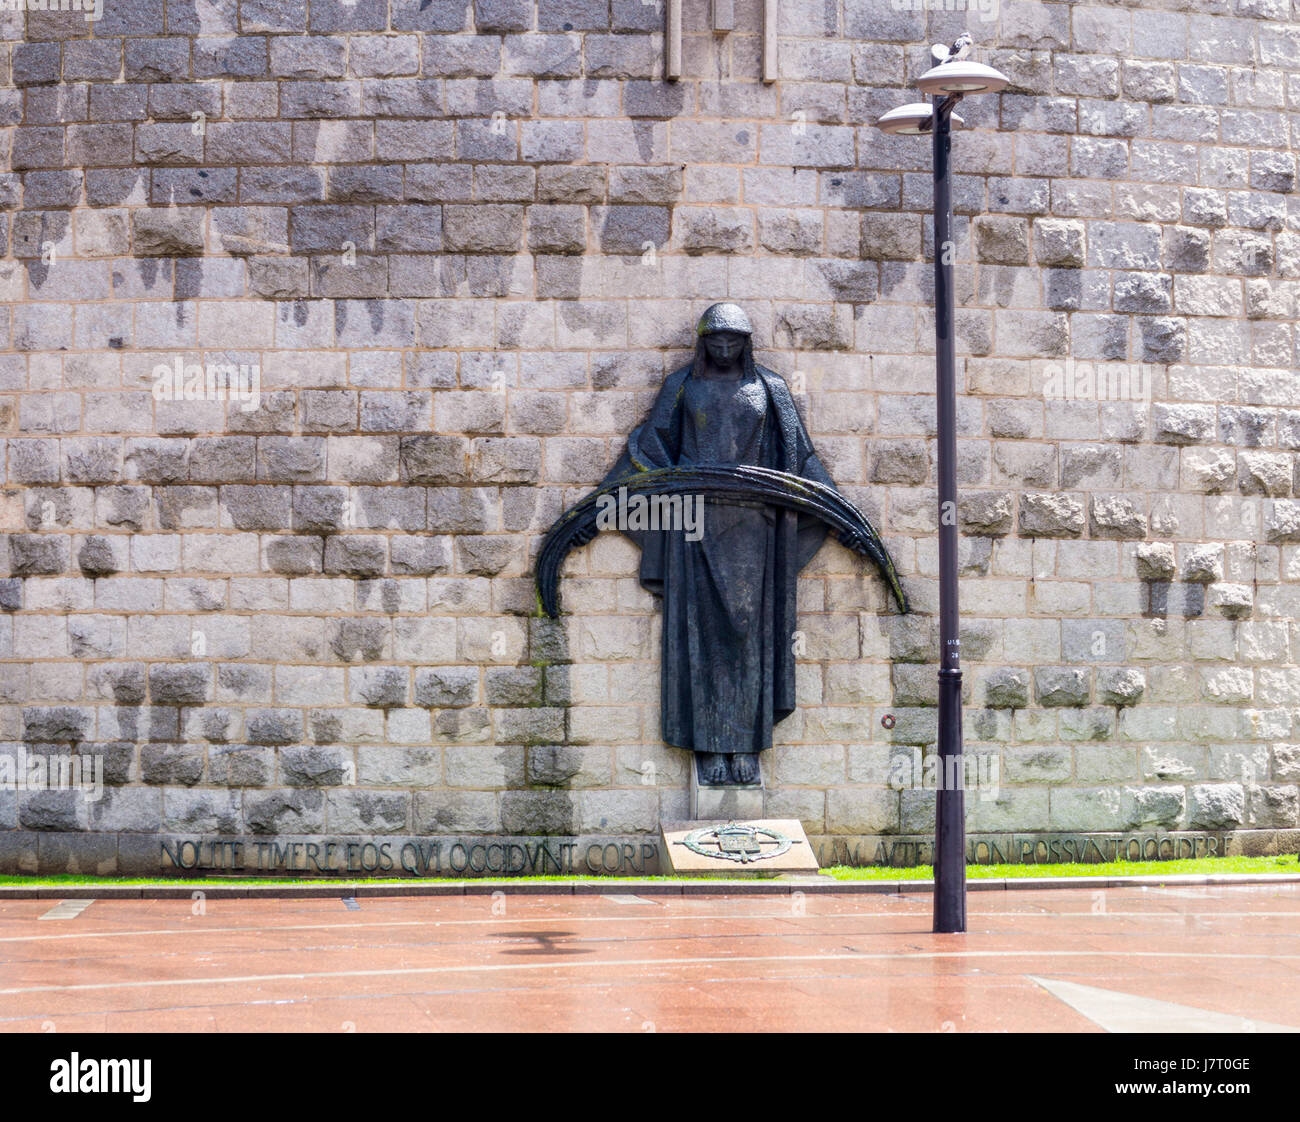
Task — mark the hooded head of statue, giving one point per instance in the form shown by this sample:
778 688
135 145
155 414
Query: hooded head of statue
724 337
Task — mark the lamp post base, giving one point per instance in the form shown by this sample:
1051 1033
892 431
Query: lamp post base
950 811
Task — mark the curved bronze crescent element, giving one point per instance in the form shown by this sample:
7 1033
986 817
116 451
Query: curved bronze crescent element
578 524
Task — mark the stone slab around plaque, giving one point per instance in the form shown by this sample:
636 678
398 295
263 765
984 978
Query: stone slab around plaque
763 847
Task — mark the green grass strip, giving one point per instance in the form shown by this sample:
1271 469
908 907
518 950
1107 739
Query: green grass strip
1204 866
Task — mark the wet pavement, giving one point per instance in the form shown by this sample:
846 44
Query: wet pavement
1133 959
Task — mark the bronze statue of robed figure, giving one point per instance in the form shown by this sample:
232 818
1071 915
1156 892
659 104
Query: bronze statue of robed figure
726 429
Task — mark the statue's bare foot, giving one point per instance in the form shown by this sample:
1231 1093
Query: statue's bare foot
744 768
713 768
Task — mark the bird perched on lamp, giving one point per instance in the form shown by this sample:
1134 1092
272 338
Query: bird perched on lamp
959 50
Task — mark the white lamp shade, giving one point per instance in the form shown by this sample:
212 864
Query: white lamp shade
911 120
961 77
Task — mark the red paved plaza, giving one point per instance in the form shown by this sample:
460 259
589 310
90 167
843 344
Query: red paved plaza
1123 959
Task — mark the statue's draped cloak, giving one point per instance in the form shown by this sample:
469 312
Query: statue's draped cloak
728 666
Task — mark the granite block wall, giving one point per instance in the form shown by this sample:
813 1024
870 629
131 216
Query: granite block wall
314 315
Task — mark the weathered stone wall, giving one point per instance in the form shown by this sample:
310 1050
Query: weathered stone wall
457 246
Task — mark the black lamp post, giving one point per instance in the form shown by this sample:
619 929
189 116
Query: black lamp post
948 82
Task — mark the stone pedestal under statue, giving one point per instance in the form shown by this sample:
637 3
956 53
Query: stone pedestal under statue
733 801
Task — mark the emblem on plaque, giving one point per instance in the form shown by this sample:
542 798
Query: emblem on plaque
735 842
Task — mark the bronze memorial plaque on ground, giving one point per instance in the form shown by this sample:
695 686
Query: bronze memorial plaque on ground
756 847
